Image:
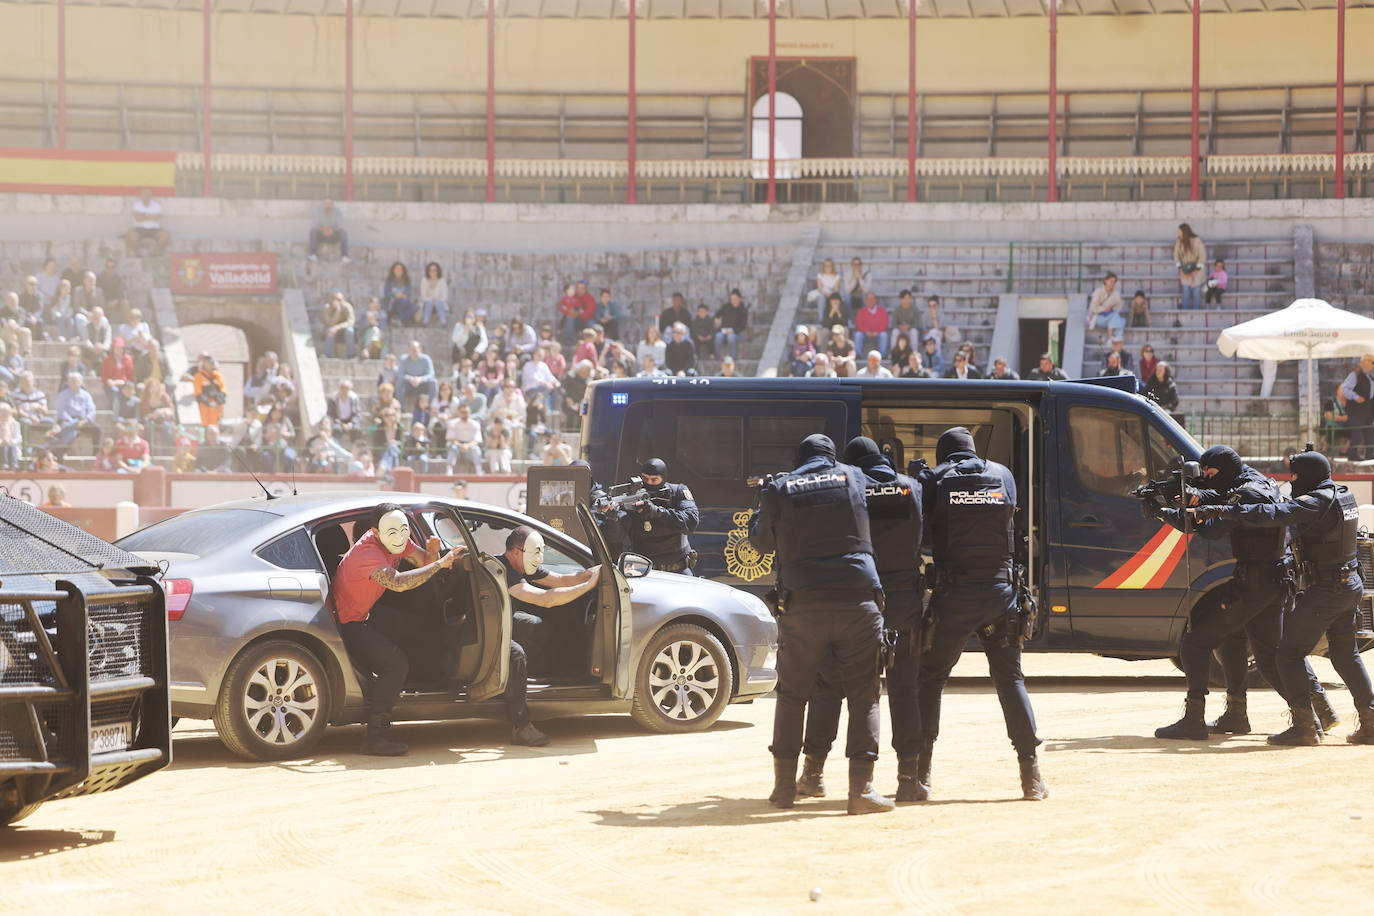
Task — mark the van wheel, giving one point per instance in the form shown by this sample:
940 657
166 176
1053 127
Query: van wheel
684 680
274 703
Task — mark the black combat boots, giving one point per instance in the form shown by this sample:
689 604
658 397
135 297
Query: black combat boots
812 782
909 786
1192 726
1304 732
1032 785
784 782
1234 720
923 759
1325 714
376 742
863 798
1365 733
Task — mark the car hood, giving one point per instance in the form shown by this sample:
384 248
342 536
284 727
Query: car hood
686 591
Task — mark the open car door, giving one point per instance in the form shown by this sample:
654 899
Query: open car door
613 628
488 604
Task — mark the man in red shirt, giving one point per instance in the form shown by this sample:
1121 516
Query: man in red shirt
367 571
130 446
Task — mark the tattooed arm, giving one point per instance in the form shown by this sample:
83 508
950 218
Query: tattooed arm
395 581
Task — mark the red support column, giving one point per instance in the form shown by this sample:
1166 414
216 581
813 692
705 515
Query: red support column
630 150
206 189
62 74
911 103
1054 101
1340 99
772 100
491 101
1196 142
348 99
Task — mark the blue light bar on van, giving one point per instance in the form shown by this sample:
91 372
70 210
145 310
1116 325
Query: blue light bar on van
620 398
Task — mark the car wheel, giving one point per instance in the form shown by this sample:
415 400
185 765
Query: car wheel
683 683
274 703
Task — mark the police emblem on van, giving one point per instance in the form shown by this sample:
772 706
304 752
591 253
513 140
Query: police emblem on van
742 558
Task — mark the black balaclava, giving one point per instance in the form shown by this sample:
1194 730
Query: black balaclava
656 468
1227 463
815 445
862 452
1311 470
954 441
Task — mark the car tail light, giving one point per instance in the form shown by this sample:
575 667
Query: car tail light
178 596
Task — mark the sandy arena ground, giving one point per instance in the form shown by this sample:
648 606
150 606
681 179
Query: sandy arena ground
610 819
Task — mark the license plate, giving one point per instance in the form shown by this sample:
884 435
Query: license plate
108 738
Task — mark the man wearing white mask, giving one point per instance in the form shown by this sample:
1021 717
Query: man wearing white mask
367 571
533 587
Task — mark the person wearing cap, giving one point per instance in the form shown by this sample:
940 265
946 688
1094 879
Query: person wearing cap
969 505
816 519
657 527
210 390
1325 518
1250 607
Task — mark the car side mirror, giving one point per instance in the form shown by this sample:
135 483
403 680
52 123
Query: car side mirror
1191 470
634 566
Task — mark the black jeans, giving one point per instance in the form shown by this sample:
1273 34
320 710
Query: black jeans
516 706
373 651
960 610
535 636
1328 610
903 691
809 632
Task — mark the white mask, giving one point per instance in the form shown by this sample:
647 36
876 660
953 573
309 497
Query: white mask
534 552
393 529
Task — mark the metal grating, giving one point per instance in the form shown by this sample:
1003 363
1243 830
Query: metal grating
1365 551
116 638
21 662
32 541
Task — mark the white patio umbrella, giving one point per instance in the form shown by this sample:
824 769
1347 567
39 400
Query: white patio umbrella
1308 329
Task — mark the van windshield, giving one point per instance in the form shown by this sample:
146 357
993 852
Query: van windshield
1174 427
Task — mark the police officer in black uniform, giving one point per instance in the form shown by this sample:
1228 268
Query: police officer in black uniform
969 504
1326 518
894 517
608 520
816 519
658 526
1251 605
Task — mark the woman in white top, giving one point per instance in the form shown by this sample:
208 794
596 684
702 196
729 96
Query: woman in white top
827 282
434 294
652 345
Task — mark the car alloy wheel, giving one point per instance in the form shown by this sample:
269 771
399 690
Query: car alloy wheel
274 703
684 680
281 701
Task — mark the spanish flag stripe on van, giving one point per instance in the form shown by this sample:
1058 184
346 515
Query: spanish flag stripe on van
1152 565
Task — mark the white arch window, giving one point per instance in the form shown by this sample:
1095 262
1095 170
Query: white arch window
787 137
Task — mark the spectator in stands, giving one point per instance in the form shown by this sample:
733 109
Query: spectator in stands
469 338
509 406
963 367
618 357
914 368
703 330
587 349
931 356
417 374
446 402
871 324
25 324
574 390
1358 389
421 413
99 337
116 369
732 321
75 414
1334 420
905 318
822 367
147 224
60 316
1140 310
385 400
213 455
112 285
1160 387
1118 349
88 295
841 352
854 286
372 337
136 333
498 445
11 360
396 297
1002 372
209 388
339 324
651 345
727 368
434 295
900 351
327 229
463 435
11 439
568 310
679 356
521 340
31 405
874 367
152 364
676 311
1216 283
259 384
537 381
803 352
107 460
31 306
45 462
556 452
49 279
827 285
1190 256
386 439
127 406
836 313
156 409
608 314
324 453
344 409
1047 371
1104 309
491 372
184 458
415 450
276 454
586 312
649 368
555 360
74 271
475 401
536 423
133 449
1113 369
1147 362
361 465
930 324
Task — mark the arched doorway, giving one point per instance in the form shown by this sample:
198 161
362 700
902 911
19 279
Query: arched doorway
787 137
823 90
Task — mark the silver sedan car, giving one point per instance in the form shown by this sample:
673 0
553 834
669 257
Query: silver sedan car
254 645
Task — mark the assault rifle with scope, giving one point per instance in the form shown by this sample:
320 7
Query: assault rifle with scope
621 495
1172 491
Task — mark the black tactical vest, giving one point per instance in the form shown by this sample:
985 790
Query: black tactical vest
659 542
972 524
894 515
1330 540
1257 545
821 518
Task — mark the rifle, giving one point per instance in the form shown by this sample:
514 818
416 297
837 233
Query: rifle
1172 490
621 495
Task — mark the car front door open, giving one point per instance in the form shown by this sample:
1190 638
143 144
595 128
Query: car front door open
613 627
489 607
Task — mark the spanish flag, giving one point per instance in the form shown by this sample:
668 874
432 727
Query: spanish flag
1152 564
79 171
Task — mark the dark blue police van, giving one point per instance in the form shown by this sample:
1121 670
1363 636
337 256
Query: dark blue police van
1113 582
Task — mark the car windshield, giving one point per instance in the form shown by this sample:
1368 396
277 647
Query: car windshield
198 533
